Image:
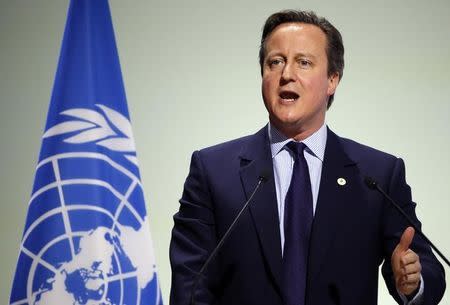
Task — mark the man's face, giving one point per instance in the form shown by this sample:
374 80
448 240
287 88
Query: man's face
295 81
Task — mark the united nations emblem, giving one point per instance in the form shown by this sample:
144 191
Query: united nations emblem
87 239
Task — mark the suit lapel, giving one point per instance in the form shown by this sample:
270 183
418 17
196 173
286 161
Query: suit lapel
333 196
256 159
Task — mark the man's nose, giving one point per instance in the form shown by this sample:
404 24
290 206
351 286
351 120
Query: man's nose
288 73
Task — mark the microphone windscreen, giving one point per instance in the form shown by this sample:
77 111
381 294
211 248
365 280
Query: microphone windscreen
265 175
370 182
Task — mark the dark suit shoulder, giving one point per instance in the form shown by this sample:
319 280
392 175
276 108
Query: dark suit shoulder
222 157
360 152
228 146
247 147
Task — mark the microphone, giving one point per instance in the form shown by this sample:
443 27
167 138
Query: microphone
333 292
372 184
263 178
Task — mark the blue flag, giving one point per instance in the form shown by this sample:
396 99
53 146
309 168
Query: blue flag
87 237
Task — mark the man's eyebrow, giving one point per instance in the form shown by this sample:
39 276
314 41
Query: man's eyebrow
298 55
277 53
308 55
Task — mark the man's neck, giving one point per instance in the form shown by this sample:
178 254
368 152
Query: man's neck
297 133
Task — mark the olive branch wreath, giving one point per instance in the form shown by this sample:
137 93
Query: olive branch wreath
94 126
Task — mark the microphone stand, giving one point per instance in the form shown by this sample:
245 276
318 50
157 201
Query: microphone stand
262 178
372 184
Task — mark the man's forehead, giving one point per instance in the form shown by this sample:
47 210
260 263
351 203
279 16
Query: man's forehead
296 27
290 26
308 35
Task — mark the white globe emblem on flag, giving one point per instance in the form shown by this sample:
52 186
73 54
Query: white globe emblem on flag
87 239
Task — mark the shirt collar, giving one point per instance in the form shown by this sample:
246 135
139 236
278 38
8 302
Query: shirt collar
316 142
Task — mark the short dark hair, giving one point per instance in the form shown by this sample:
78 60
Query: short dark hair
335 46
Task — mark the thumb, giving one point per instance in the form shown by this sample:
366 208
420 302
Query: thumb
406 239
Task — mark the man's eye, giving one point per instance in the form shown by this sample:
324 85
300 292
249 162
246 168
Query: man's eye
304 63
275 62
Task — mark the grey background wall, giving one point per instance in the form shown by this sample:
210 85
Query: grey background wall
192 80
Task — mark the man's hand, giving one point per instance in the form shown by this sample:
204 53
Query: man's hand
406 265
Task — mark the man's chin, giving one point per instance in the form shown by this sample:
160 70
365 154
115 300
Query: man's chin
286 122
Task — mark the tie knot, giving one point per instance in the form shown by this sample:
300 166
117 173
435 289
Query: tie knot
297 148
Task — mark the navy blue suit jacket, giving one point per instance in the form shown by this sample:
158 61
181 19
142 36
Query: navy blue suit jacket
354 229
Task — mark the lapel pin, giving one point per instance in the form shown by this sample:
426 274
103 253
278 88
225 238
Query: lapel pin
341 181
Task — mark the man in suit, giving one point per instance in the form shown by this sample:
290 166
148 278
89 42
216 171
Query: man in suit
314 232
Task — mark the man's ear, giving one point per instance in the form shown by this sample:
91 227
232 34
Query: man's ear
333 82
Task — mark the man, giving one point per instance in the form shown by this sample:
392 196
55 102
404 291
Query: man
314 233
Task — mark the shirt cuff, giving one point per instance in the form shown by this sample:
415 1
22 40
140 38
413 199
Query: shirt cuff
418 298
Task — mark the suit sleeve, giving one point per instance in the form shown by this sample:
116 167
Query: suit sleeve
193 238
394 225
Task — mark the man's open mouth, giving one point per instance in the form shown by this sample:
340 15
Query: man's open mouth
289 96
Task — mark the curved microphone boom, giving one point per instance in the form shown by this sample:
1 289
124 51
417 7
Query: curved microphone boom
372 184
263 177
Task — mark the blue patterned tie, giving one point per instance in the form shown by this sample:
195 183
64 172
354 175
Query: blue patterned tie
298 216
